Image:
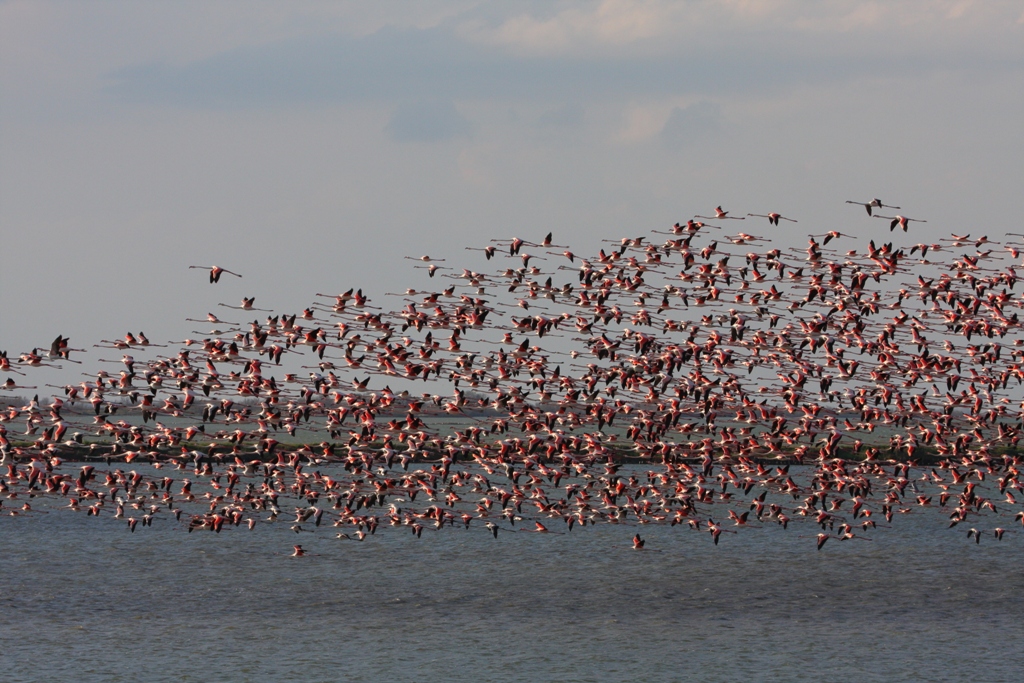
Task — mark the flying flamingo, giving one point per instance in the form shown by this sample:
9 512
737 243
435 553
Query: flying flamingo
901 221
215 272
247 305
211 318
873 204
829 236
488 251
772 217
432 268
721 214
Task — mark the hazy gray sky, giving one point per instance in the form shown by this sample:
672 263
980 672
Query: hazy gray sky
312 145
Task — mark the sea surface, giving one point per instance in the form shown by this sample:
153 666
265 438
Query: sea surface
83 599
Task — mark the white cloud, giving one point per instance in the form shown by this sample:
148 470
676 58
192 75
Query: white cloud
586 29
612 22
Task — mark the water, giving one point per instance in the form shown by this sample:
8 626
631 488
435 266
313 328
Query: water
85 600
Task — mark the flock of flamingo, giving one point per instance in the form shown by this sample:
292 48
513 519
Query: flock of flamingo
698 377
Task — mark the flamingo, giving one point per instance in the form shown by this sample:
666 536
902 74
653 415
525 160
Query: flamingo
773 217
901 221
216 272
246 305
721 214
873 204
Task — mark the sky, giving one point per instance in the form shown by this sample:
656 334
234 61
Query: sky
312 146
